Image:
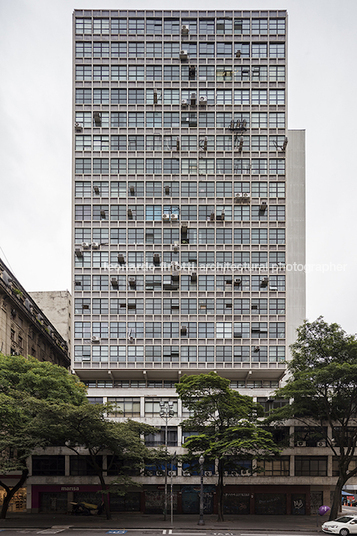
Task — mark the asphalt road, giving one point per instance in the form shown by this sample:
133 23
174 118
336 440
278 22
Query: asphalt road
65 531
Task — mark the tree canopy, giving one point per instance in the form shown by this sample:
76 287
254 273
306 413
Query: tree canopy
322 390
226 424
87 430
30 393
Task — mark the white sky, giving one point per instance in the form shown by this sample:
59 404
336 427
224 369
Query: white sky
36 127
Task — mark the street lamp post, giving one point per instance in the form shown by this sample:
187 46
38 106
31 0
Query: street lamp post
201 462
166 412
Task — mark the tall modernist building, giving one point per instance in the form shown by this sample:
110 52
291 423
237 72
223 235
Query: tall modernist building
188 217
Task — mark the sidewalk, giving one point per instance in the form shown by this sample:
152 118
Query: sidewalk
136 520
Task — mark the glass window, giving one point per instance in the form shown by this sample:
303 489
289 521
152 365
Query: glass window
83 26
277 50
277 26
277 96
206 50
259 50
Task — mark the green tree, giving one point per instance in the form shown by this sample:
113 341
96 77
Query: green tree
322 390
89 432
30 392
226 423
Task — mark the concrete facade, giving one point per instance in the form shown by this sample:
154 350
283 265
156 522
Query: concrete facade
57 306
188 240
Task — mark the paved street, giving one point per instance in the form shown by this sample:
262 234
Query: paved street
137 524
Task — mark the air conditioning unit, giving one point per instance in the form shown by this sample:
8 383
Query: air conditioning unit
184 102
183 330
114 282
132 282
96 189
166 217
103 214
95 245
183 54
246 197
121 259
132 189
194 276
245 472
172 473
321 443
176 247
95 339
184 226
186 473
234 473
264 282
193 99
208 473
203 101
301 443
131 339
85 245
174 217
78 127
184 29
238 53
211 216
263 206
78 252
238 198
156 258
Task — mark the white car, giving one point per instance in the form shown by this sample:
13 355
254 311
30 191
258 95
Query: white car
344 526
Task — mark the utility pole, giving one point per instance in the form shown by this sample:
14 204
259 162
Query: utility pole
166 412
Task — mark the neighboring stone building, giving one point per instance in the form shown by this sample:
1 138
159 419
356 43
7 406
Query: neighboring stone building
24 328
57 307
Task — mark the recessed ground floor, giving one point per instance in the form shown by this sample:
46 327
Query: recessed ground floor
185 499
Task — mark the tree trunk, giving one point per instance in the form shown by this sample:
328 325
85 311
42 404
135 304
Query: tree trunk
10 492
336 502
105 495
220 490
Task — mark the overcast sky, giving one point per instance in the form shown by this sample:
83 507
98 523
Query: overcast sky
36 127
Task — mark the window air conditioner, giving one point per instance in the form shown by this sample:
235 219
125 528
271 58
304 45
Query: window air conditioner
246 197
184 102
301 443
95 339
174 217
78 127
95 245
85 245
183 54
184 29
208 473
166 217
263 206
245 472
203 101
114 282
172 473
238 198
186 473
193 99
321 443
78 252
